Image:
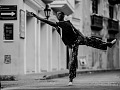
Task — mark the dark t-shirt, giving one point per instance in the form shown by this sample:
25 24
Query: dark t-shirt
66 31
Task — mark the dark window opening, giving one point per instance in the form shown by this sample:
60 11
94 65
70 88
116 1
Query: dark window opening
95 6
111 11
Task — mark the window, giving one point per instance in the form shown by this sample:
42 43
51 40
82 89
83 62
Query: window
111 11
95 6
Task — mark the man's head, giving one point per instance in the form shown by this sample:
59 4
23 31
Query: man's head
60 16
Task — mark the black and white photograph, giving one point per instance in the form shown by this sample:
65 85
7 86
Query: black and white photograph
60 44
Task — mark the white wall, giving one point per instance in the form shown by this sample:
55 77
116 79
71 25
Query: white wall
43 48
55 48
72 3
10 48
30 45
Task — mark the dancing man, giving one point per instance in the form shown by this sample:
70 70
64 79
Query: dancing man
73 38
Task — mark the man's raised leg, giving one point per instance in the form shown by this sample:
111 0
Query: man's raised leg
98 43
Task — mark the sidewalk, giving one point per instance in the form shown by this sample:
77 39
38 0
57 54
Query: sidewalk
64 73
20 80
57 74
45 79
52 75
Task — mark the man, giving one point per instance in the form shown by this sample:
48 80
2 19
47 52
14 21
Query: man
73 38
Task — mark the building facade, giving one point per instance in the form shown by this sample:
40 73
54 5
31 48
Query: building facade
31 46
27 44
100 18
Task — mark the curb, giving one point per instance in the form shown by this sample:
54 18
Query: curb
78 72
56 75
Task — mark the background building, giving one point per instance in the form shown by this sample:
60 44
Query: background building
101 19
31 46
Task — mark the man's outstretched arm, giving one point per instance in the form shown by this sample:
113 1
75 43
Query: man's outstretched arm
44 20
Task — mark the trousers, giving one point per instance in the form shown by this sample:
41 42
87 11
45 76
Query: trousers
89 41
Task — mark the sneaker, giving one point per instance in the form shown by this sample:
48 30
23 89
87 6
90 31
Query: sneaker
70 84
112 43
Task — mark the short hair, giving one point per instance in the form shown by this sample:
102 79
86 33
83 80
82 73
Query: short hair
61 12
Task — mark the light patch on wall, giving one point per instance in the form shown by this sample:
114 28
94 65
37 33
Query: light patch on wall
82 61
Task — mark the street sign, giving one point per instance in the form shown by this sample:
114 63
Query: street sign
8 12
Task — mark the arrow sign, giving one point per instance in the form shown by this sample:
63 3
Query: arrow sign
8 12
11 14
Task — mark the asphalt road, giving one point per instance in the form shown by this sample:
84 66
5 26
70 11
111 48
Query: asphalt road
89 81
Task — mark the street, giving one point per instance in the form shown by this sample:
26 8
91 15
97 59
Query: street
86 81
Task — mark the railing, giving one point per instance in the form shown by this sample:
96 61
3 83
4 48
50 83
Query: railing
113 26
96 22
113 2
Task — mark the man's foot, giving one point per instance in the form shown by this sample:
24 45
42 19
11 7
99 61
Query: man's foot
70 84
110 44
